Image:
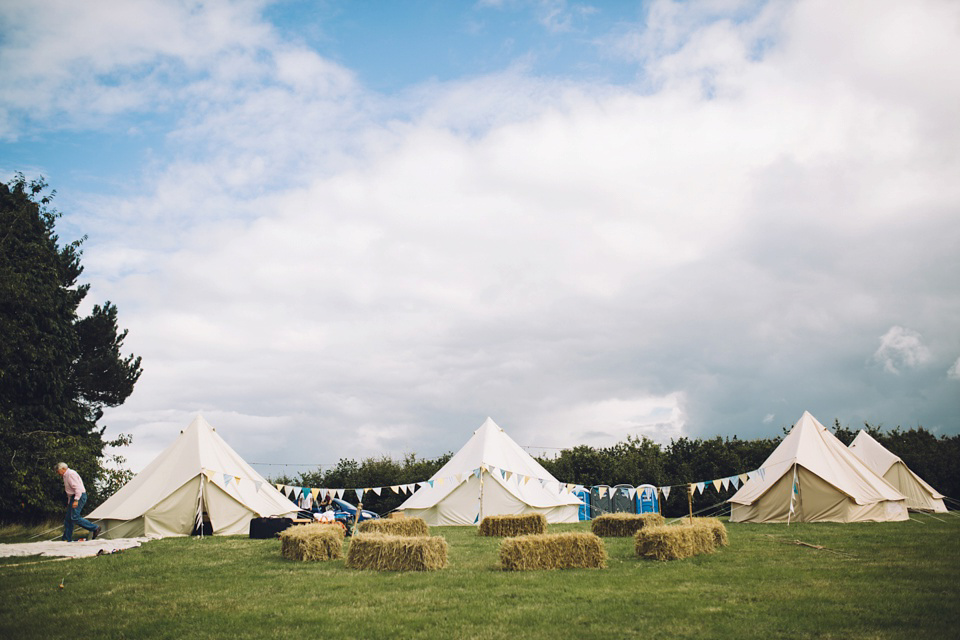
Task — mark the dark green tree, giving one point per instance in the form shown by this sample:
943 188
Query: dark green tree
57 370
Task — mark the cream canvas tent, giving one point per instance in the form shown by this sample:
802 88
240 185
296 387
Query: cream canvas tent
920 495
491 475
198 474
812 477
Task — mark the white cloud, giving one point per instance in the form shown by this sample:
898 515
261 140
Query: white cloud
338 273
900 349
954 371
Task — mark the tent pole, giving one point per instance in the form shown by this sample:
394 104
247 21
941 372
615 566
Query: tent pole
482 470
690 501
199 522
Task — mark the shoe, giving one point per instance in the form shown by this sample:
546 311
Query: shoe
95 533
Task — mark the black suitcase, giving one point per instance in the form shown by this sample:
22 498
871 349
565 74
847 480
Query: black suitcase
262 528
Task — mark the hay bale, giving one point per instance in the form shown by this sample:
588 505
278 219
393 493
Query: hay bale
716 527
506 526
411 527
312 542
674 542
572 550
624 525
383 552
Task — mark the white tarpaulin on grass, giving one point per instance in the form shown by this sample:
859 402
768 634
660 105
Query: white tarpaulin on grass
76 549
496 477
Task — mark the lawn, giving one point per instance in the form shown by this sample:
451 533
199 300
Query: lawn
891 580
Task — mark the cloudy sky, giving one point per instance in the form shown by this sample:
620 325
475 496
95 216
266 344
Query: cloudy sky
345 229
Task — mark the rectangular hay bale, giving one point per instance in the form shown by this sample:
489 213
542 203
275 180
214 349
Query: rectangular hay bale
624 525
312 542
675 542
384 552
412 527
715 526
506 526
571 550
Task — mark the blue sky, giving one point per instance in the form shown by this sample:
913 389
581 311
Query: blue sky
344 229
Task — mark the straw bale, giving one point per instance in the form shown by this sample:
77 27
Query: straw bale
313 542
413 527
571 550
674 542
384 552
623 525
505 526
716 527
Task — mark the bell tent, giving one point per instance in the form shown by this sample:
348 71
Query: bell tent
812 477
197 479
491 475
920 495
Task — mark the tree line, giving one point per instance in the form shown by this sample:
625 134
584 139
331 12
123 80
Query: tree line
639 460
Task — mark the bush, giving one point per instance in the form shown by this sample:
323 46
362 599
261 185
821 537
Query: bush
504 526
573 550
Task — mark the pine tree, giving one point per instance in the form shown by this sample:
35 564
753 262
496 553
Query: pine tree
57 370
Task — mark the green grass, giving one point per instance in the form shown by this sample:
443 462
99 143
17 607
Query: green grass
895 580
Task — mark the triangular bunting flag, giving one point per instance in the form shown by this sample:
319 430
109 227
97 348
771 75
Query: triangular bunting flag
226 479
508 475
377 490
717 484
360 494
736 481
430 482
439 481
726 483
395 488
701 486
763 473
743 477
258 484
526 479
459 478
340 493
305 491
666 492
280 488
633 492
314 493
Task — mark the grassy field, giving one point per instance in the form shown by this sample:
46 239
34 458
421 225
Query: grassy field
895 580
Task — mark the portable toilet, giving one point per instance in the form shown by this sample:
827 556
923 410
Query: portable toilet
647 499
583 494
600 500
623 501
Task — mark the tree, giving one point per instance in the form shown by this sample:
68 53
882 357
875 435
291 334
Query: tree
57 370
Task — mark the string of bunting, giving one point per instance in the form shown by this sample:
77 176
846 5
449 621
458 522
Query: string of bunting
294 492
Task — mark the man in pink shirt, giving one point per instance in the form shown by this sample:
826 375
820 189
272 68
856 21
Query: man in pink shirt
76 498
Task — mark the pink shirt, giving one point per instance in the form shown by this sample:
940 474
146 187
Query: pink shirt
72 484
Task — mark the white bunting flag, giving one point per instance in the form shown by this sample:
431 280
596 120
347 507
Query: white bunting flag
377 490
735 480
340 493
633 492
726 483
666 492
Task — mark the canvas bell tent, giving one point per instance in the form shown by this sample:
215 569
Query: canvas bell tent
198 478
920 495
491 475
812 477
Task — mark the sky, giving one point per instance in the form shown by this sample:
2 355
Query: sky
356 229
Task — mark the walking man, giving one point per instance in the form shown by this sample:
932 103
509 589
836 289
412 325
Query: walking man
76 498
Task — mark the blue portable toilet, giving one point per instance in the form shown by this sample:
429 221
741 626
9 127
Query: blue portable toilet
622 501
647 499
600 500
584 496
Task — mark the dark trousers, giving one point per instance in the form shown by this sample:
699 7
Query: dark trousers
73 518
